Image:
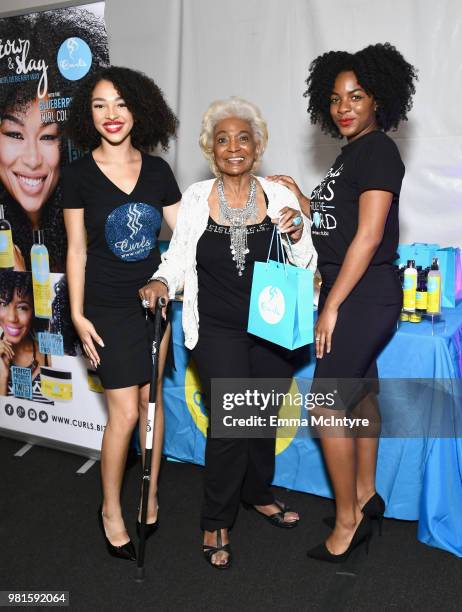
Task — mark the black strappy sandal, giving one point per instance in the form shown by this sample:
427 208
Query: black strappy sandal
209 551
276 519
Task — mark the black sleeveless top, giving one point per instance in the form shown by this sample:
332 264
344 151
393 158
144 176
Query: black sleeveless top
224 296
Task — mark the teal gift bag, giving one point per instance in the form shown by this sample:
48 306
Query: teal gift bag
281 301
421 252
451 276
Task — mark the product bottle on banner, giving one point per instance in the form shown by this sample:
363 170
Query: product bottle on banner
41 281
421 298
6 243
410 286
434 288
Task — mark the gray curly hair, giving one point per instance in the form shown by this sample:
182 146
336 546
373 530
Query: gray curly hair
224 109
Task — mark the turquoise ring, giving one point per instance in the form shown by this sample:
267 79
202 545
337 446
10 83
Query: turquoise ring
297 221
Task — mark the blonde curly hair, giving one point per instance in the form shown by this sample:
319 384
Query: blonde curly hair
224 109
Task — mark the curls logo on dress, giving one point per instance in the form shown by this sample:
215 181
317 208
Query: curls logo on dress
131 230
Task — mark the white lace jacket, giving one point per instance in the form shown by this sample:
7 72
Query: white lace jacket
178 265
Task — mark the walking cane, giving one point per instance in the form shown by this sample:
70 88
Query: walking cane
146 480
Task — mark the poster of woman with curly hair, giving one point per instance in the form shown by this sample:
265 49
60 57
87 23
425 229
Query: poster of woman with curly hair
44 56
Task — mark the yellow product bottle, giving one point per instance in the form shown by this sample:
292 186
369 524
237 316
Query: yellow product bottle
434 288
41 281
404 316
6 243
410 286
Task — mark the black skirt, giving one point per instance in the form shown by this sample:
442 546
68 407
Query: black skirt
126 355
366 322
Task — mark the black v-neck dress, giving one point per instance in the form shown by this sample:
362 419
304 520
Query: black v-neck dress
122 254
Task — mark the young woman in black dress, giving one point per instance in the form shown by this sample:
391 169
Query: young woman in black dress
354 215
114 201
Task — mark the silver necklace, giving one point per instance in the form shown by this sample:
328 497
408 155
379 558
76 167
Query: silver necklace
237 219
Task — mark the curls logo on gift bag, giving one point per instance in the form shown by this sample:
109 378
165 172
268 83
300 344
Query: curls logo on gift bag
281 301
271 304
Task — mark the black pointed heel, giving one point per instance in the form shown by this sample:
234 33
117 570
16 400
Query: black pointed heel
150 528
276 519
126 551
374 508
209 551
362 535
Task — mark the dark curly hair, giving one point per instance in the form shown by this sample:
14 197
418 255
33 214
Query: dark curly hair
19 282
154 121
47 30
380 69
51 221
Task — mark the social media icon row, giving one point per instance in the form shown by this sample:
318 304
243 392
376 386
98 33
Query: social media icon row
31 413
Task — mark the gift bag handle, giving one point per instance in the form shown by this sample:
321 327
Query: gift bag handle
279 248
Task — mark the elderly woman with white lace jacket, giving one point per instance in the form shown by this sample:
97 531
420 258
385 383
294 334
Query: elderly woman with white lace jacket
224 225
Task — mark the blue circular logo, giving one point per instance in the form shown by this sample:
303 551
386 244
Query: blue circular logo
131 230
74 58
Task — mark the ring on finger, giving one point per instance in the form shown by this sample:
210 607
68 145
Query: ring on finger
145 303
297 221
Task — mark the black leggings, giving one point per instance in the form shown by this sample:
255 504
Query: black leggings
236 469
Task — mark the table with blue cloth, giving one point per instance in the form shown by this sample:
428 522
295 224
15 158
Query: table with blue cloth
420 478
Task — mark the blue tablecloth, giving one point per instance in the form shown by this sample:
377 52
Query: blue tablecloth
419 478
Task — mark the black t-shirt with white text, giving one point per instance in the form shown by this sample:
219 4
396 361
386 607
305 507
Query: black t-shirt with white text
370 162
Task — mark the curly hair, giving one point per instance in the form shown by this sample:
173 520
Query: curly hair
19 282
380 69
154 121
51 221
46 30
224 109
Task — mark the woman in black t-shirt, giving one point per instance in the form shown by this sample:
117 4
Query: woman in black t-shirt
354 216
114 200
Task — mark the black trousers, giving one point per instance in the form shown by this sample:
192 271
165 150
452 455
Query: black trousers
236 469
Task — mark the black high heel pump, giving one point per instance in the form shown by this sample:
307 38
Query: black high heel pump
126 551
374 508
362 535
150 528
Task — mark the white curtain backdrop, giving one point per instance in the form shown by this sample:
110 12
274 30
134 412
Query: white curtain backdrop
201 50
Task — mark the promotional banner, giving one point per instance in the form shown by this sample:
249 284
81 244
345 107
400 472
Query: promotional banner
45 388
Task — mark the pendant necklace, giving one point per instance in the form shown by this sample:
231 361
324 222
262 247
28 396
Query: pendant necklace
237 219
